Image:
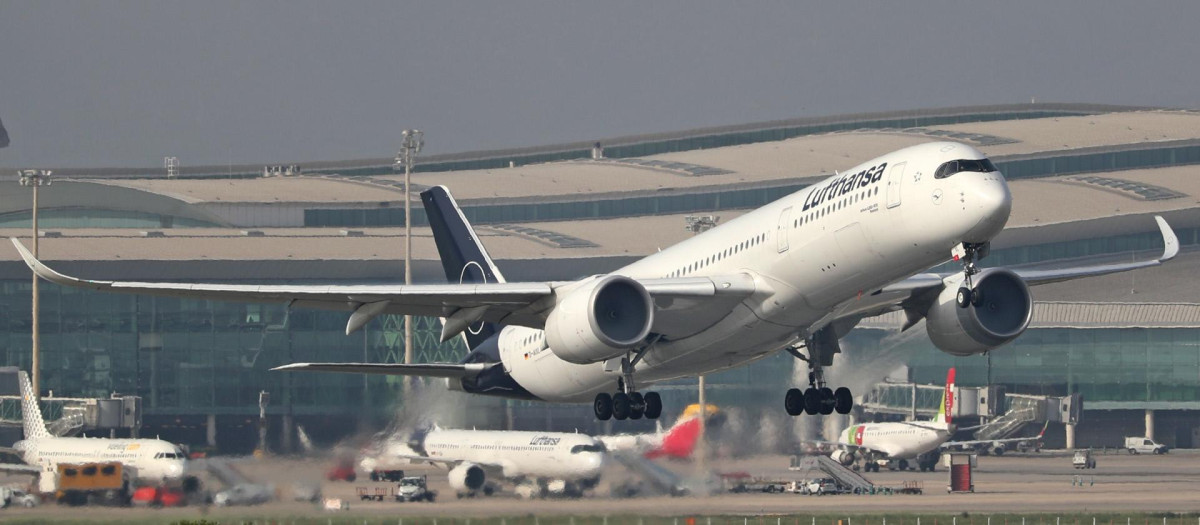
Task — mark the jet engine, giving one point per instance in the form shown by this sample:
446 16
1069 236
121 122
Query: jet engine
845 457
467 477
999 311
599 320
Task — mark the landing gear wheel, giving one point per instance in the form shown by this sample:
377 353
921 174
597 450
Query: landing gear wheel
793 402
812 401
964 297
653 405
637 406
621 408
826 401
903 464
603 407
976 297
843 400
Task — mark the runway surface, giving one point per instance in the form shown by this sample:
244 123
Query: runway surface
1035 483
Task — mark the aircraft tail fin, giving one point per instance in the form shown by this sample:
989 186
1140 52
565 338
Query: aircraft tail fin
680 440
946 410
464 260
31 413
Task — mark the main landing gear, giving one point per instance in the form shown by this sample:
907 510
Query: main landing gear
627 403
818 398
967 294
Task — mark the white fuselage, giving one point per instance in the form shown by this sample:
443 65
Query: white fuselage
153 460
814 255
537 455
897 440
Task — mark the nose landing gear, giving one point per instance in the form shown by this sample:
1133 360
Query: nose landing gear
967 294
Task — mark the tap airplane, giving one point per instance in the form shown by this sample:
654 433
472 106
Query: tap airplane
540 463
794 275
153 460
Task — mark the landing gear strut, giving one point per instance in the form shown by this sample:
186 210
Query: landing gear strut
628 403
967 294
818 398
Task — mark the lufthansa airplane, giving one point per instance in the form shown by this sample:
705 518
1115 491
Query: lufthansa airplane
794 275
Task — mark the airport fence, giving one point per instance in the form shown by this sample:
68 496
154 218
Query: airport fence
963 518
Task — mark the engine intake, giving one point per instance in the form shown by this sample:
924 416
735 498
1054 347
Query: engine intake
467 477
999 313
600 319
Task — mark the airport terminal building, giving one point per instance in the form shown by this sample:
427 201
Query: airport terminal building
1086 181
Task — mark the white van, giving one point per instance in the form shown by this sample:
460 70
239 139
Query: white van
1144 445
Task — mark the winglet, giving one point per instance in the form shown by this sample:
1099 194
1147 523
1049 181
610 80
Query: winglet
47 273
1170 241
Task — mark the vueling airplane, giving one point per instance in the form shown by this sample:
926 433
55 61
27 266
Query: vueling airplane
153 460
794 275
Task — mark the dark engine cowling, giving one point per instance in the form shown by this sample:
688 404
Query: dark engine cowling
467 477
1000 313
599 320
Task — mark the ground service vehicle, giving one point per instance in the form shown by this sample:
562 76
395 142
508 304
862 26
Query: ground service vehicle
15 497
387 475
1144 445
158 496
823 486
413 488
374 493
1083 459
94 483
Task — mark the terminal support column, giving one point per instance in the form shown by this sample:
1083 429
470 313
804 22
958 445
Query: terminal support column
1149 424
210 431
1070 436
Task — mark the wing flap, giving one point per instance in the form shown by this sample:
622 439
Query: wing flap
442 370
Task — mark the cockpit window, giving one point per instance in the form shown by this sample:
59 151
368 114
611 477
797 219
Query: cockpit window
597 447
958 166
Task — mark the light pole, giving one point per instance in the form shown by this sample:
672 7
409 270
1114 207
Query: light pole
34 179
698 225
411 144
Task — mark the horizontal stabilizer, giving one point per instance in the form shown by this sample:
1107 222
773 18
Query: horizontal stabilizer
448 370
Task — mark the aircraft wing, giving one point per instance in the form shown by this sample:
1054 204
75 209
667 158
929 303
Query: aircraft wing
19 468
974 442
446 370
449 463
909 294
525 304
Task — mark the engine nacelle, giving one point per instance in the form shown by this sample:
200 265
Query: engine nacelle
845 457
599 320
1000 313
467 477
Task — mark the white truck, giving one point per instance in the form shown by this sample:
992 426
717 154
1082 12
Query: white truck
1144 445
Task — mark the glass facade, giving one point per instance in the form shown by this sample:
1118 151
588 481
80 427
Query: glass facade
97 218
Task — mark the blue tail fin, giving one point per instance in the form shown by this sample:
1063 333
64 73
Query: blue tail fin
464 258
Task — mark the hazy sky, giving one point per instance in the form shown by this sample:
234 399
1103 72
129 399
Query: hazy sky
103 83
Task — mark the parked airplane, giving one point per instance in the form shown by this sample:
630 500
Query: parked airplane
154 460
796 274
677 442
899 442
540 463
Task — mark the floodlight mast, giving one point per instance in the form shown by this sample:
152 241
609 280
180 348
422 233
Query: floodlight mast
34 179
411 144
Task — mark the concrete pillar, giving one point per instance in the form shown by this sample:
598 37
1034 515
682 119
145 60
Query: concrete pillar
1070 436
210 428
1149 424
288 429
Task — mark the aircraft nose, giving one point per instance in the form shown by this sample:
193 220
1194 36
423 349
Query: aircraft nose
992 201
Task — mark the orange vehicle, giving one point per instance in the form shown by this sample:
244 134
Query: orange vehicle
94 483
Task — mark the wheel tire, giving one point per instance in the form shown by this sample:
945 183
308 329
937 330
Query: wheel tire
1133 452
827 401
904 464
603 407
843 400
621 408
976 297
812 401
964 297
793 402
637 405
653 405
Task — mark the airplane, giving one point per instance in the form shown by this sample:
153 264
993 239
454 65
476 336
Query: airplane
794 275
899 442
997 446
677 442
540 463
154 460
